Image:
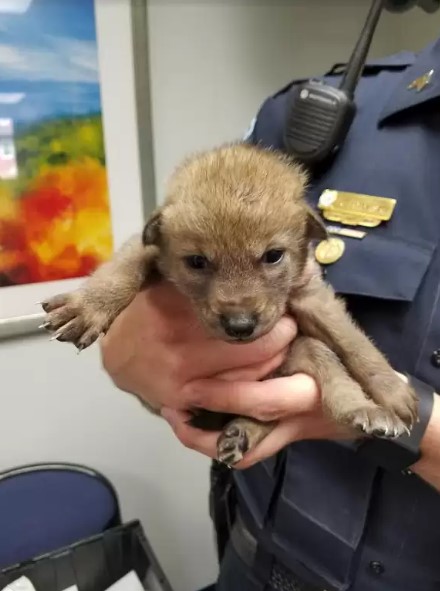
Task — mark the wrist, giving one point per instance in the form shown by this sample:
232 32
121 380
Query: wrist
403 453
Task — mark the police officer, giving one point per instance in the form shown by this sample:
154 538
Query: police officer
311 510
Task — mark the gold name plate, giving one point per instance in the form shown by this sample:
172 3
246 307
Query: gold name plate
355 209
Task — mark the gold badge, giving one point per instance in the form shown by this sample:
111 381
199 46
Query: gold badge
355 209
421 82
329 251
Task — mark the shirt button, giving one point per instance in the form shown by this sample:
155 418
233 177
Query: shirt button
435 358
377 567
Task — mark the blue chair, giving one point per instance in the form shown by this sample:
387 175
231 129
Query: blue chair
44 507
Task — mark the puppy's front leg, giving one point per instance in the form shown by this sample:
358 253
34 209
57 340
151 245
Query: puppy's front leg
321 315
343 399
81 316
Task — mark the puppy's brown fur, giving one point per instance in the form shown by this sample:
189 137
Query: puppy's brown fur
234 236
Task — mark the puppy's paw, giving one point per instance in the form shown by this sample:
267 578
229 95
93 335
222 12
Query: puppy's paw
240 436
396 396
233 443
377 422
71 318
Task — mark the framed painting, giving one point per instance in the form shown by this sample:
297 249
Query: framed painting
59 217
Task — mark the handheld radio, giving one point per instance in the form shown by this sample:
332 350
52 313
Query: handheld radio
320 115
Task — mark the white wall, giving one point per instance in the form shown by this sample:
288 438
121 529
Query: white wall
418 28
211 67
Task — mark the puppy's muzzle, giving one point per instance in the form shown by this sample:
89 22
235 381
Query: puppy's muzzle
239 326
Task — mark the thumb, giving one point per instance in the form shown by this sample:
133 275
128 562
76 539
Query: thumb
218 356
268 400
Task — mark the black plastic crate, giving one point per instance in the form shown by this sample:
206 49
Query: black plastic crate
94 564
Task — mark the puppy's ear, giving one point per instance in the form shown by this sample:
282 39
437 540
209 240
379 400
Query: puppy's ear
316 229
152 230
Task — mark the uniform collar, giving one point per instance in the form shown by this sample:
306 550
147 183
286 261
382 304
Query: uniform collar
402 97
398 60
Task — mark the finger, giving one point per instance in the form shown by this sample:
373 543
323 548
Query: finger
256 371
301 427
217 356
284 434
266 401
205 442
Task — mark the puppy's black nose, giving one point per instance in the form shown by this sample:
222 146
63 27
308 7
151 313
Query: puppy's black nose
239 325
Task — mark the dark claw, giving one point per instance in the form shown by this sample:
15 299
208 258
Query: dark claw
62 339
244 444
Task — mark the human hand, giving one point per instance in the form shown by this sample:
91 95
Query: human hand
157 346
294 402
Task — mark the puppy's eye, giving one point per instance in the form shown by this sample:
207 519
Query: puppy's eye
197 262
273 256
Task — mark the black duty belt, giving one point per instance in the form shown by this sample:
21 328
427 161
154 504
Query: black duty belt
281 578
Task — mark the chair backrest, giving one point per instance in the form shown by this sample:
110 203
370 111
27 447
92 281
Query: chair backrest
47 506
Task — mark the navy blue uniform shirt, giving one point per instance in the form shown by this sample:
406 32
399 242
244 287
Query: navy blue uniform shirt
332 516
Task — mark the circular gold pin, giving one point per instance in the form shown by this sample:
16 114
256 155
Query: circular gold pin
329 251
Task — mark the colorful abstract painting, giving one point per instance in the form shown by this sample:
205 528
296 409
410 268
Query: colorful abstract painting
55 220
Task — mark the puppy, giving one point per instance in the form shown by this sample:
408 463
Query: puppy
234 235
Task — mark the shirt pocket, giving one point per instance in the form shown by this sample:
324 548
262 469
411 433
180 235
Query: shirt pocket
379 277
382 267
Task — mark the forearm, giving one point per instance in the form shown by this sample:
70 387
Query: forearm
428 467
